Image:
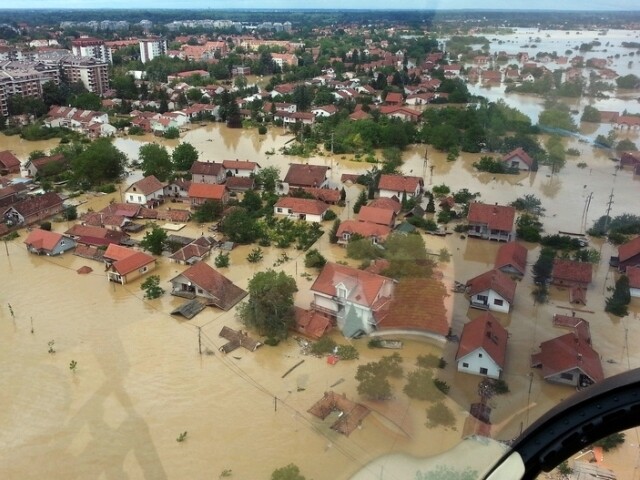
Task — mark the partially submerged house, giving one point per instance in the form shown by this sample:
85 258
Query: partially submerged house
193 252
400 185
379 216
492 290
9 163
512 259
483 347
200 193
203 281
301 176
208 172
240 168
570 273
307 209
628 255
95 236
491 222
311 323
44 242
372 231
353 298
519 159
350 414
45 166
569 359
633 273
236 339
33 209
145 192
131 267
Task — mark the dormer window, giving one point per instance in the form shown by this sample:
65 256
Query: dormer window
342 292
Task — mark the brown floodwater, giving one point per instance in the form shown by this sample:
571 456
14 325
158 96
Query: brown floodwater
140 382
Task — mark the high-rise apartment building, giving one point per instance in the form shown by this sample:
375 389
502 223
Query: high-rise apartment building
150 48
91 47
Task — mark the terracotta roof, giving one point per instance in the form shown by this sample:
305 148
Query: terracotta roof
193 250
207 191
571 270
98 219
418 304
521 154
43 239
128 210
363 287
206 168
381 216
147 185
577 324
311 323
485 332
117 252
303 205
240 183
328 195
493 280
512 254
239 165
634 276
9 161
366 229
388 203
629 249
95 235
394 97
216 284
399 183
37 203
42 161
566 353
306 175
496 217
133 262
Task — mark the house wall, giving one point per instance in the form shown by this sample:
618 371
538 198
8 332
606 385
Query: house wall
476 360
394 193
131 276
492 298
236 172
570 377
634 292
42 214
324 304
62 246
288 212
629 262
211 179
481 230
174 191
517 163
355 318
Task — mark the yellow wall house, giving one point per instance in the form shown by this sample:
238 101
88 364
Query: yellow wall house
131 267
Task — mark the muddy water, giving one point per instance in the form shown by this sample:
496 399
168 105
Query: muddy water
140 381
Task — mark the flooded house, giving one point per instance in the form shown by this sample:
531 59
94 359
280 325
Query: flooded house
177 189
389 203
307 209
43 166
373 231
130 267
379 216
147 191
105 220
9 163
512 259
483 347
33 209
302 176
633 273
570 273
628 255
311 324
519 159
353 298
569 359
398 185
96 236
200 193
240 168
492 290
208 172
193 252
491 222
203 281
44 242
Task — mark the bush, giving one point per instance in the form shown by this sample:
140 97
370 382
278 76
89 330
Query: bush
106 188
222 260
500 387
271 341
262 130
611 442
442 385
314 259
171 132
440 414
330 215
347 352
255 255
70 213
45 226
323 346
151 287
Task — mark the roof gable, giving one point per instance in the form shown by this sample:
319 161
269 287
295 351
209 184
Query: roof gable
629 249
306 175
147 185
43 239
571 270
399 183
494 280
512 254
487 333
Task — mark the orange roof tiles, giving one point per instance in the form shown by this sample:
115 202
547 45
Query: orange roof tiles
9 161
570 270
493 280
380 216
133 262
302 205
399 183
512 254
239 165
388 203
147 185
521 154
364 287
207 191
496 217
215 284
43 239
366 229
629 249
485 332
306 175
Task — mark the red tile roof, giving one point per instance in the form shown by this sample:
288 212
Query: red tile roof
311 323
147 185
485 332
9 161
399 183
95 235
206 168
328 195
394 97
38 203
133 262
364 287
629 249
496 217
42 161
493 280
388 203
98 219
381 216
303 205
418 304
366 229
634 276
239 165
215 284
117 252
570 270
306 175
128 210
512 254
43 239
520 153
207 191
240 183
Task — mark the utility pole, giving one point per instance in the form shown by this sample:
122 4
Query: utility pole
275 404
199 340
6 248
606 218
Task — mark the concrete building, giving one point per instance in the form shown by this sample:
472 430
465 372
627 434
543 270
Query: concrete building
91 47
93 73
25 79
150 48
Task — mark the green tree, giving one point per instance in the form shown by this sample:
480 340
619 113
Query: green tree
590 114
290 472
268 178
528 228
626 145
251 202
240 227
440 414
208 211
629 81
183 157
314 259
420 385
70 213
155 160
154 240
171 132
99 163
360 201
544 266
333 238
151 287
86 101
270 306
528 203
617 303
611 442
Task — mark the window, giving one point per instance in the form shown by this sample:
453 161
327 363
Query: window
483 371
482 298
342 292
479 355
279 210
143 269
566 376
465 364
498 302
139 198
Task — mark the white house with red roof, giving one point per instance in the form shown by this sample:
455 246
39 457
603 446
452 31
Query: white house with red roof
375 232
492 290
633 273
130 267
200 193
307 209
355 298
519 159
491 222
240 168
483 347
145 191
396 185
628 255
324 110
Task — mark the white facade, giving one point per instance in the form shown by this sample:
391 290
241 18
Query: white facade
479 362
290 213
634 292
490 300
517 162
97 50
140 198
152 48
398 195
